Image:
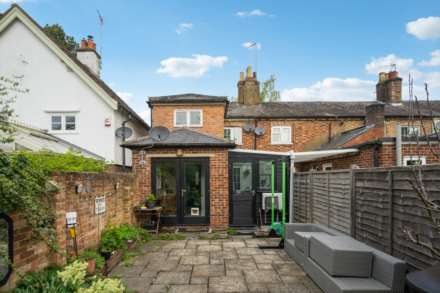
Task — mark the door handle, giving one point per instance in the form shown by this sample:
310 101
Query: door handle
182 192
253 193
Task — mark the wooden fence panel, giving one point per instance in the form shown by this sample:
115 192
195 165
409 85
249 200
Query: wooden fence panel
376 206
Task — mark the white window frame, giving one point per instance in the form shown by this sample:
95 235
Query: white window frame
327 165
236 134
414 158
409 127
287 141
188 117
63 116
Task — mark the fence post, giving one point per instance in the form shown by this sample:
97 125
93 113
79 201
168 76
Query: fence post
391 210
328 199
353 203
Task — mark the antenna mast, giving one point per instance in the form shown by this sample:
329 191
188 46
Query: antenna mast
101 30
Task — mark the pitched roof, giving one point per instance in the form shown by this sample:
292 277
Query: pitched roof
27 137
322 110
83 67
181 137
340 140
187 98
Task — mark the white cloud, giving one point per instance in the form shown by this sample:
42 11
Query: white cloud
196 66
255 12
252 45
125 96
424 28
383 64
184 27
11 1
333 89
435 59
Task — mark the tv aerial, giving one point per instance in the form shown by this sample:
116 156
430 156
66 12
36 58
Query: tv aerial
159 133
124 132
259 131
248 128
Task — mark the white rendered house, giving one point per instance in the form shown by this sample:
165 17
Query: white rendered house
66 96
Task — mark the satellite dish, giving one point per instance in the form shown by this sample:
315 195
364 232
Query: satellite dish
248 128
259 131
159 133
124 132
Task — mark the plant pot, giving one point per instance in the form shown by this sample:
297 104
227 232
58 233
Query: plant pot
91 266
106 255
151 204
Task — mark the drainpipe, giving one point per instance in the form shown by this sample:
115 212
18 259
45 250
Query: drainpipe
398 145
123 140
292 173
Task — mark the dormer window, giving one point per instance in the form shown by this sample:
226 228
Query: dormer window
188 118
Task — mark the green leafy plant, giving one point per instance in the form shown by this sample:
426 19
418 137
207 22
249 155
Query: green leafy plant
170 236
107 285
70 162
56 32
232 231
74 274
43 282
93 255
151 198
115 238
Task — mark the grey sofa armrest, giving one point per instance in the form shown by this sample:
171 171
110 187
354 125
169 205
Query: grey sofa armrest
291 228
389 270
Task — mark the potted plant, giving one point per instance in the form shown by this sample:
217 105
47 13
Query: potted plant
93 259
150 201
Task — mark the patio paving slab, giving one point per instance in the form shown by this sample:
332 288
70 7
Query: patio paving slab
227 265
208 271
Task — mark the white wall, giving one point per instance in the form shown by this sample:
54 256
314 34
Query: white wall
54 87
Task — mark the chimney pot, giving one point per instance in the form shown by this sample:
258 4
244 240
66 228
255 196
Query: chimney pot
83 43
241 75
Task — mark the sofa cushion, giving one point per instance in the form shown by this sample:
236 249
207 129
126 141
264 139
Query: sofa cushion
341 256
301 239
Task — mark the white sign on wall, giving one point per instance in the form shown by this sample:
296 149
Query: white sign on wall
71 218
100 205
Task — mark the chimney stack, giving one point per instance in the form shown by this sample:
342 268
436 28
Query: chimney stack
375 117
389 88
87 55
248 88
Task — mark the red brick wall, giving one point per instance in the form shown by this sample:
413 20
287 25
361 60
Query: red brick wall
218 181
307 134
365 157
213 117
31 255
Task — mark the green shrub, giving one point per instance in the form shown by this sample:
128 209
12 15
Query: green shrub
232 231
115 238
107 285
92 254
70 161
46 281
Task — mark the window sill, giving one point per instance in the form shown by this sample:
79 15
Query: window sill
63 132
272 143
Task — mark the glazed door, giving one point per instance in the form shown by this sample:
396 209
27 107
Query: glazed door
243 194
181 186
194 191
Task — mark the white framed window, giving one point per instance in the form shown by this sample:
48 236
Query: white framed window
233 133
63 122
354 166
281 135
188 118
414 160
410 131
327 167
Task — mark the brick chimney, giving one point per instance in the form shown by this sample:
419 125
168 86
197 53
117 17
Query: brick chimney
248 88
375 118
389 87
87 55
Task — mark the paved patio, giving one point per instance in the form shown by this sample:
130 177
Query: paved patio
227 265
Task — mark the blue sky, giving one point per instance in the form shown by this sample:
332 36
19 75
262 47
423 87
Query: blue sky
318 50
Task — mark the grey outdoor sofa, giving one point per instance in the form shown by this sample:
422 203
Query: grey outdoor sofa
338 263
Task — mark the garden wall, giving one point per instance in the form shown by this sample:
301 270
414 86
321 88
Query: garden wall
76 192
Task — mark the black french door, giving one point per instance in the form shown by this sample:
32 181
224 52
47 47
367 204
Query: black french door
181 185
243 193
